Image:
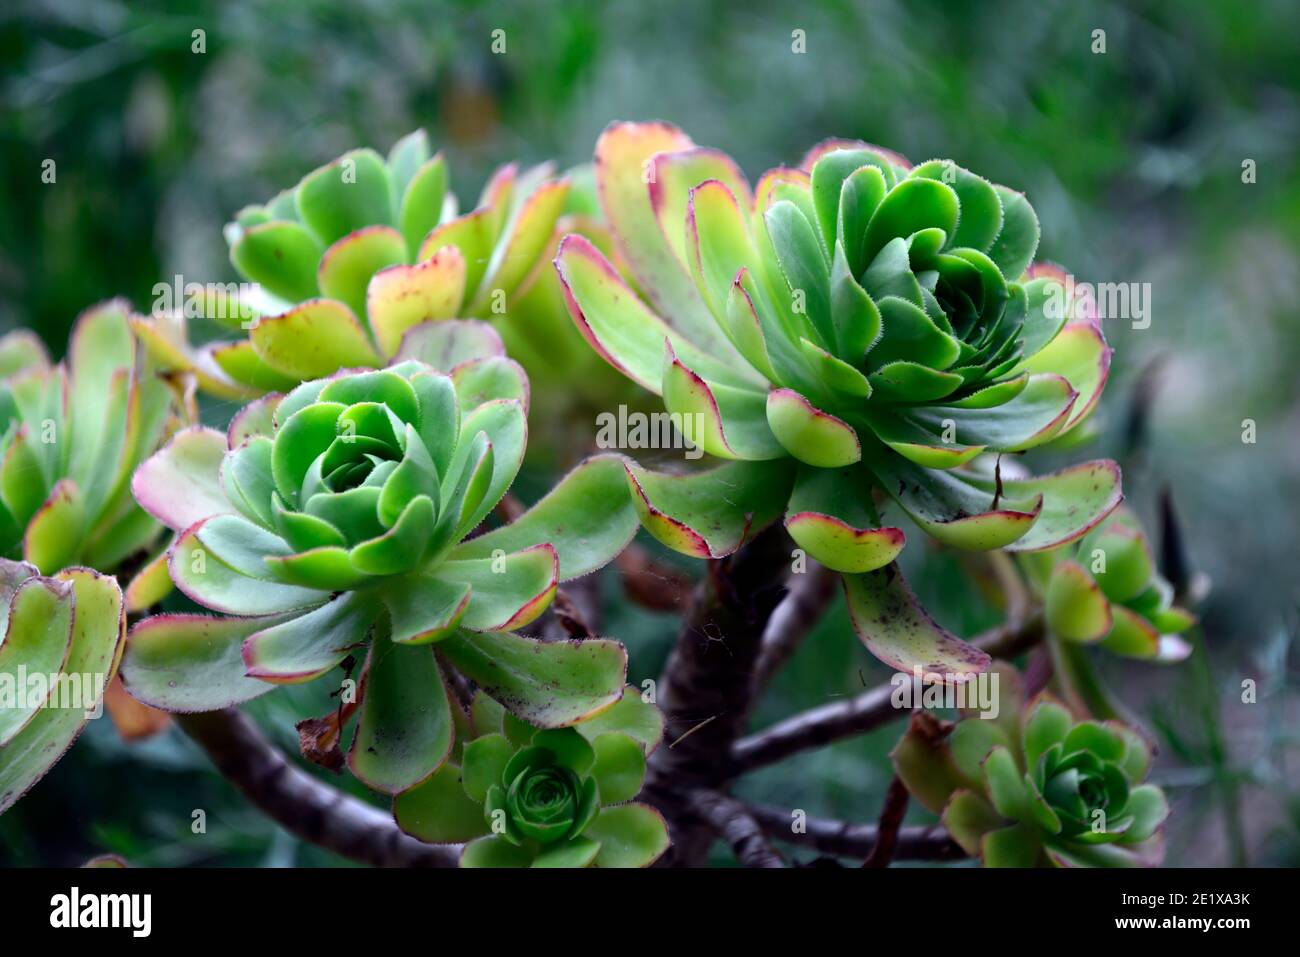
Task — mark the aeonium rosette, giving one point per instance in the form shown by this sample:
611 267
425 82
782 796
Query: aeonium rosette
336 518
346 262
853 326
1033 787
522 796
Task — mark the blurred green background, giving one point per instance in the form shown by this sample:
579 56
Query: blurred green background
1133 159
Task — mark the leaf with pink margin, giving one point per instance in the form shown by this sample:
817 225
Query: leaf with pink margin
449 343
37 638
917 443
241 363
1074 605
897 630
404 733
1132 636
950 507
180 483
402 297
626 158
549 684
507 591
308 645
718 243
1033 416
587 517
809 434
99 626
279 256
1080 354
531 230
710 513
256 418
54 534
631 715
728 422
493 377
22 350
423 609
1075 501
829 517
313 339
187 663
623 329
472 236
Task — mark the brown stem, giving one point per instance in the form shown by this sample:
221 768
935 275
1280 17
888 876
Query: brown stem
704 691
730 820
864 712
312 810
843 839
891 819
793 619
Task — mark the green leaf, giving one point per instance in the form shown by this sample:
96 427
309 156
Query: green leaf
808 433
37 638
306 647
578 852
179 484
1046 725
424 609
446 344
711 513
238 581
438 811
348 265
1075 500
421 202
529 233
968 817
897 630
1015 846
1014 248
405 729
55 533
98 629
619 768
314 339
506 591
281 257
912 205
348 194
981 209
494 851
630 835
401 298
587 517
726 421
188 663
831 518
1079 354
548 684
485 758
1076 608
631 715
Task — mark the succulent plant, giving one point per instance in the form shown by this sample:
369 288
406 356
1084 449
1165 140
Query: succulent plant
852 326
524 796
1033 787
72 435
62 638
1106 590
354 256
339 517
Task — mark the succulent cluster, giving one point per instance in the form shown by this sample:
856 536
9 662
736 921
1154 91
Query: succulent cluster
346 263
1033 787
335 518
70 436
524 796
62 638
1106 590
853 326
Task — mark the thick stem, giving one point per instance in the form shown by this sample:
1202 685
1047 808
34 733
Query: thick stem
730 820
842 839
792 621
861 713
891 820
301 804
705 688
